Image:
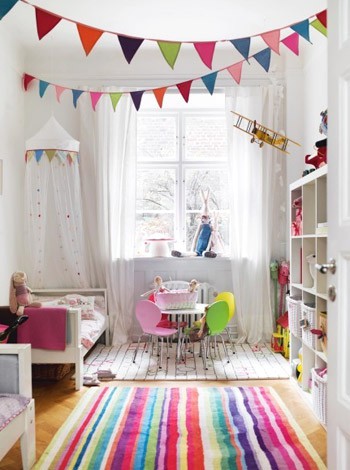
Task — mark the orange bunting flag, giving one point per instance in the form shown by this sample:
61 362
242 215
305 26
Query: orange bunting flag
88 36
59 91
205 51
292 42
159 94
184 88
272 39
45 22
236 71
95 96
26 80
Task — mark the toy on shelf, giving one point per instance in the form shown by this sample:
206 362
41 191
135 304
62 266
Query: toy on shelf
280 339
261 134
320 159
296 227
20 294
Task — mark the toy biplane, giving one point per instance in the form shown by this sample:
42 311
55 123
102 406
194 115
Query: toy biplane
261 134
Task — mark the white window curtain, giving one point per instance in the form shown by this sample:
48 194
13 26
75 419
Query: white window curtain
108 173
258 205
55 255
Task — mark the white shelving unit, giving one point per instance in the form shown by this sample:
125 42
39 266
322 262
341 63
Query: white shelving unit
311 290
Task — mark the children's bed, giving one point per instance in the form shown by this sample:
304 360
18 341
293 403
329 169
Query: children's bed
86 322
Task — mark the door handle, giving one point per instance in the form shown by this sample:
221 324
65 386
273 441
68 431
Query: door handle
324 268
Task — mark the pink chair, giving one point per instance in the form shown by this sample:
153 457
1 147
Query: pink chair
149 315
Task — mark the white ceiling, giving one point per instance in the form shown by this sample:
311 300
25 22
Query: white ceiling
182 20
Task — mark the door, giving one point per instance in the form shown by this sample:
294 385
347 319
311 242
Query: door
338 428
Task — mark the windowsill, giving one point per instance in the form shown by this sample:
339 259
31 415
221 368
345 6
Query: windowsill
181 258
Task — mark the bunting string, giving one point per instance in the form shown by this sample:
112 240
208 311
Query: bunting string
263 58
62 156
89 35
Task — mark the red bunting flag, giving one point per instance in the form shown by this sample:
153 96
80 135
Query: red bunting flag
322 18
272 39
205 51
184 88
26 80
88 36
159 94
236 71
45 22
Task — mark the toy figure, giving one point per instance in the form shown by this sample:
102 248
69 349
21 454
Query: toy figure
20 294
203 241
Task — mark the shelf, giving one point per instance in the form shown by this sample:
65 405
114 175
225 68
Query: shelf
308 212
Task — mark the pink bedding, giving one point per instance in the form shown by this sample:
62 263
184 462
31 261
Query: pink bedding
45 328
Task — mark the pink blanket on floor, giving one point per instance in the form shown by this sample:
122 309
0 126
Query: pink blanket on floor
45 328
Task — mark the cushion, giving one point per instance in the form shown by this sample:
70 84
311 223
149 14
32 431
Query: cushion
11 405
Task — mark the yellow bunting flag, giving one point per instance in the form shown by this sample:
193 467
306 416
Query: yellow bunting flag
170 51
50 154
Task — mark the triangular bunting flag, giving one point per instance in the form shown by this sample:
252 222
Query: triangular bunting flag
59 91
272 39
26 80
76 94
115 97
29 155
319 26
95 96
88 36
136 97
6 6
42 87
50 154
236 71
129 46
159 94
61 155
184 88
69 158
292 42
264 58
45 22
170 51
205 51
209 81
302 29
38 155
242 46
322 18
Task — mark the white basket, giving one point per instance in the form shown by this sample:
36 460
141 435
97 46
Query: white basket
319 395
176 299
294 315
308 313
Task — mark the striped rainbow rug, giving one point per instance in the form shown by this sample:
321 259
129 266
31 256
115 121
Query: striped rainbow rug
180 428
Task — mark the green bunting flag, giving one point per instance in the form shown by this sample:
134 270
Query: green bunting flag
170 51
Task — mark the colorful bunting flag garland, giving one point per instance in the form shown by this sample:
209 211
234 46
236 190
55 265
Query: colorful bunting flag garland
46 21
62 155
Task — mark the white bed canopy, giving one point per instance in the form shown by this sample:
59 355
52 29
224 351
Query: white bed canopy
55 255
52 136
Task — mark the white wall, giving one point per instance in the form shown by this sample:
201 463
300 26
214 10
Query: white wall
12 154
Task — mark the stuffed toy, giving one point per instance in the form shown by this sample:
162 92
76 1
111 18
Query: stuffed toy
193 285
20 294
203 241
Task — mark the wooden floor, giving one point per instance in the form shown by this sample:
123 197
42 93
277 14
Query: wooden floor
55 401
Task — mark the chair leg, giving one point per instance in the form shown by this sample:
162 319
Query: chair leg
137 348
225 348
161 353
227 329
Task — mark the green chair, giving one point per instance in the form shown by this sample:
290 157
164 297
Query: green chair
217 317
230 299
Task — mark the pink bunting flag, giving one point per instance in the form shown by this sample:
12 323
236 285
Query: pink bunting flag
205 51
272 39
95 96
184 88
236 71
59 91
292 42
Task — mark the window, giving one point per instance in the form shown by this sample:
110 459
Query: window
181 150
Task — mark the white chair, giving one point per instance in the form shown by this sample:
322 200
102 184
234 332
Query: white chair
16 383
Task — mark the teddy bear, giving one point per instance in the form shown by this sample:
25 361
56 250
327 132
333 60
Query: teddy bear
20 294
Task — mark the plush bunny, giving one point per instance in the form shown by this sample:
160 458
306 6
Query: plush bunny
20 294
193 285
